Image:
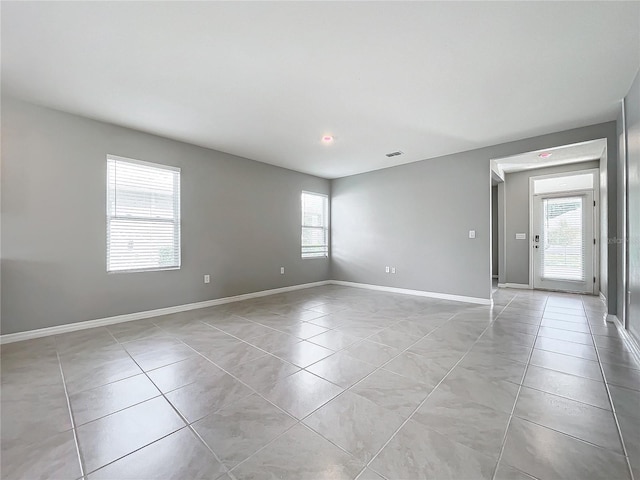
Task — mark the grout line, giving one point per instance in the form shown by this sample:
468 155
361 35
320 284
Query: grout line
255 392
566 354
586 378
564 397
187 424
526 369
579 439
613 410
73 424
301 421
393 435
190 318
136 450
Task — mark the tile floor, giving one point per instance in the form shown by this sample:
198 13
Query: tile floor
330 383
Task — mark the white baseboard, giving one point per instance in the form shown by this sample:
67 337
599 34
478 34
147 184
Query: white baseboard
515 285
101 322
419 293
626 336
603 298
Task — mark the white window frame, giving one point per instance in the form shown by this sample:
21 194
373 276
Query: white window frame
176 220
325 228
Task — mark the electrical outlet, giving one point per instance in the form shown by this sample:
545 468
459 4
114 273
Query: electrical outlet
281 270
393 270
472 234
386 269
207 278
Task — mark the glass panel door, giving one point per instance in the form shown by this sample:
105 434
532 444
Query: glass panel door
563 242
562 253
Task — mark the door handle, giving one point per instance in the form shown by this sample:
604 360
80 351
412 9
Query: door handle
537 238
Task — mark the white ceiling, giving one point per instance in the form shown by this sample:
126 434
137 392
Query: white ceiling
578 152
266 80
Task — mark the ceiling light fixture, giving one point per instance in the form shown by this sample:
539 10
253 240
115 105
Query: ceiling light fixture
545 154
327 139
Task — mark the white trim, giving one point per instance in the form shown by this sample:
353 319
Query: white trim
627 338
596 219
419 293
100 322
143 163
128 317
570 173
326 227
551 149
523 286
603 298
111 212
624 275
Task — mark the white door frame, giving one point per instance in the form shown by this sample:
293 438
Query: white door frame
588 234
596 220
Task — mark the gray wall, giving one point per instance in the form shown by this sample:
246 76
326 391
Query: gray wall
517 217
411 218
609 269
632 124
502 254
417 217
603 247
494 230
240 222
621 219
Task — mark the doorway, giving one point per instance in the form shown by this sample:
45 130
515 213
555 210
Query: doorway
563 232
557 173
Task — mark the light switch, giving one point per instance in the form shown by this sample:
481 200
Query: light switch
207 279
472 234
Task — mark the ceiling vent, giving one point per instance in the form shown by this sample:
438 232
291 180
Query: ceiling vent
394 154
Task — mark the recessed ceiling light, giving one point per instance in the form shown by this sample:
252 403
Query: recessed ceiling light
327 139
545 154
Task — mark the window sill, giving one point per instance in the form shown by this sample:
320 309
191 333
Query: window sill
143 270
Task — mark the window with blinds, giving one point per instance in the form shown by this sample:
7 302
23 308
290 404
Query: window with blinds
143 216
315 225
563 254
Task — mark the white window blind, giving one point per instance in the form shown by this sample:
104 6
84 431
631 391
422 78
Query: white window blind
143 216
563 254
315 225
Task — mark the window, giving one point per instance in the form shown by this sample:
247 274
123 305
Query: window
315 225
143 216
563 249
563 183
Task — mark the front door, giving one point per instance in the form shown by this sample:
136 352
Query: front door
563 242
